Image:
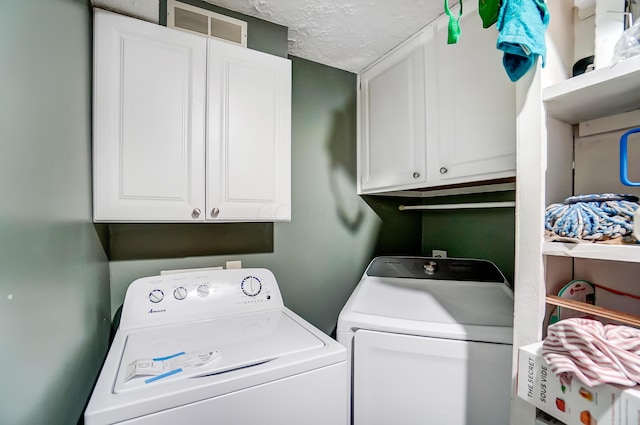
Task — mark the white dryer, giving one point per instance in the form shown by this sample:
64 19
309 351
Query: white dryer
217 347
430 342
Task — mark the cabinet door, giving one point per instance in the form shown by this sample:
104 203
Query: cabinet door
248 135
391 143
471 129
149 88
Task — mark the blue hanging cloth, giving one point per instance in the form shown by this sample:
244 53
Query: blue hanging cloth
521 27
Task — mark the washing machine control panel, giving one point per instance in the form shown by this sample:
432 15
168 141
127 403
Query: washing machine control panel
432 268
176 298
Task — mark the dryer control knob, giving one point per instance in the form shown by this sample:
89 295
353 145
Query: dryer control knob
156 296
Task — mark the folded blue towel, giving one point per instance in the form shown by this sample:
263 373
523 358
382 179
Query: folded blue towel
521 26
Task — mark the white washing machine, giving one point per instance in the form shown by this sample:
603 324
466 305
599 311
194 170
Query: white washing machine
217 347
430 342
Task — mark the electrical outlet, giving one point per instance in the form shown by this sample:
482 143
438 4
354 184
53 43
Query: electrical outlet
438 253
234 264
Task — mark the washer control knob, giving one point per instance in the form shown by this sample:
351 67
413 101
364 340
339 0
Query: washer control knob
430 268
180 293
156 296
203 291
251 286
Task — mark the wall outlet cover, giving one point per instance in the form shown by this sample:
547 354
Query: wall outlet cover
234 264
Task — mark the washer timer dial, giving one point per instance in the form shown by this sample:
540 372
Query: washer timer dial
180 293
251 286
156 296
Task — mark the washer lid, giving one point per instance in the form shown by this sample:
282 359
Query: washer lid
151 357
295 345
467 310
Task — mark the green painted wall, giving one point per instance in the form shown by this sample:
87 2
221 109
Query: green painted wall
473 233
54 287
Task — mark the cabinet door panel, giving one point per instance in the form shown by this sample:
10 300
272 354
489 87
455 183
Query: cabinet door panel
149 121
248 136
251 113
391 143
475 110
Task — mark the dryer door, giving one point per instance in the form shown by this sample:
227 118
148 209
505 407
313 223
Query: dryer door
409 380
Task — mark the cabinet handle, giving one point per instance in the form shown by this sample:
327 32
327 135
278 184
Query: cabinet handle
215 212
195 213
416 175
443 170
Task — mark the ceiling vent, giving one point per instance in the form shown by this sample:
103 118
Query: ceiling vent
205 22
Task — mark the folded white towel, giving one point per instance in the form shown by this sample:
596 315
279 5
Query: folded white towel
593 352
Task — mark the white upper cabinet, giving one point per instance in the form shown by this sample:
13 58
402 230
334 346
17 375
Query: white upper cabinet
248 134
471 121
435 114
392 120
149 94
187 128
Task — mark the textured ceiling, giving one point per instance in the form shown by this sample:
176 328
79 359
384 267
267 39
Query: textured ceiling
346 35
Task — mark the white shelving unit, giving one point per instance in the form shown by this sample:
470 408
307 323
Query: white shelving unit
596 94
627 253
550 167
